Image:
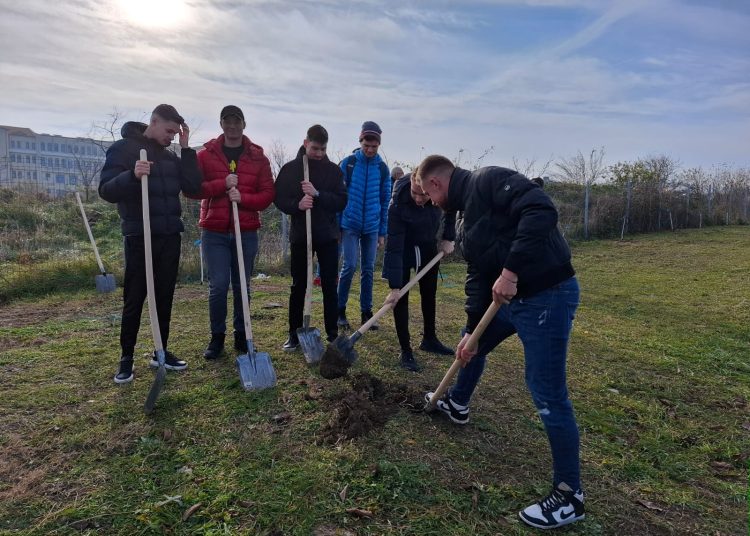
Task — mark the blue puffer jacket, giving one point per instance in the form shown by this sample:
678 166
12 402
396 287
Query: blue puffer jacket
367 205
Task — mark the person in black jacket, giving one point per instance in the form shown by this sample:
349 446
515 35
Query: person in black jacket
325 195
121 183
413 225
517 258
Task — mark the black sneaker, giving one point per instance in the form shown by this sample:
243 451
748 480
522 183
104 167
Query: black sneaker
292 343
342 322
408 362
170 362
125 373
367 315
215 347
332 337
457 413
434 346
560 507
240 341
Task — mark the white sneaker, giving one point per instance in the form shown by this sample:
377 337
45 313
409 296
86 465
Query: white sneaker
561 507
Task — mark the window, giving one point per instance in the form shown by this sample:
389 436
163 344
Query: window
12 157
28 159
42 161
27 145
28 175
48 176
41 146
12 144
33 159
73 180
57 162
57 149
33 145
60 178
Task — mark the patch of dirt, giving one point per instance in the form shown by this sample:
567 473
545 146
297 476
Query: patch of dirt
28 314
366 406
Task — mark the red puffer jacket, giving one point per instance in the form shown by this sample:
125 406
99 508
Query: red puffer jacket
255 184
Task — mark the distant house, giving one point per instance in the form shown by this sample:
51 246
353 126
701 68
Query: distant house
48 163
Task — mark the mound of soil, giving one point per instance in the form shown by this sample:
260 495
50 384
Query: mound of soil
366 406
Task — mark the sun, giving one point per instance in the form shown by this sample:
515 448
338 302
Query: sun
154 13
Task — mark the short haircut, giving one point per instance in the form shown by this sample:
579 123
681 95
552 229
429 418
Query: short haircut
370 137
317 134
433 164
168 113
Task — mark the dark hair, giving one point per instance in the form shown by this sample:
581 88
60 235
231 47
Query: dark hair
432 164
370 137
168 113
317 134
539 181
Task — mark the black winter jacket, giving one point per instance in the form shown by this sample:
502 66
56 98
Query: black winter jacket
328 179
169 176
508 222
412 228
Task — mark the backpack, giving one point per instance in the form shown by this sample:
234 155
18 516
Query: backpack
351 160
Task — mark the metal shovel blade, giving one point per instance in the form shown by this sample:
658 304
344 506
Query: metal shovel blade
158 385
312 345
256 370
105 283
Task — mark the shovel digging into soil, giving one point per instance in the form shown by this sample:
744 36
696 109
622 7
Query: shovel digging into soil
104 282
454 368
340 354
309 338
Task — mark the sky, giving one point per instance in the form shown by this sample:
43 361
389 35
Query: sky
525 80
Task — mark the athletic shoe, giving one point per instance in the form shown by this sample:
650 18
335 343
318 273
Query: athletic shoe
434 346
458 414
291 344
125 373
367 315
170 362
408 362
561 507
342 322
215 347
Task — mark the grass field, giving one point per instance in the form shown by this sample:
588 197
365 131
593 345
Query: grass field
659 374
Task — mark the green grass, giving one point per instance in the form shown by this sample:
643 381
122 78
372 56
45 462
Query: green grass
659 375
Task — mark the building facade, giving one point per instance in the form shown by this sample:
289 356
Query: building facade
49 164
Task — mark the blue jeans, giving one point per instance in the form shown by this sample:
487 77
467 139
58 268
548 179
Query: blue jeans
543 323
354 246
220 254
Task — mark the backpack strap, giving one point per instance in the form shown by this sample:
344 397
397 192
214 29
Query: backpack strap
350 161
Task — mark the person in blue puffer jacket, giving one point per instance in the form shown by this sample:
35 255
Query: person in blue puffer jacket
364 222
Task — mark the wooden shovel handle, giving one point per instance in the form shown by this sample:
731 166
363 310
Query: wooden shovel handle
243 279
470 344
152 314
413 281
91 236
308 227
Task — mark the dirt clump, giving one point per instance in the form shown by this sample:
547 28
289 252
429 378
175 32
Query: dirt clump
365 406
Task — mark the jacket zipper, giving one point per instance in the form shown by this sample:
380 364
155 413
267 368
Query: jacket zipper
364 199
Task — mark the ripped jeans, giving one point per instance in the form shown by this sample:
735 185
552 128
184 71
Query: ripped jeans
543 323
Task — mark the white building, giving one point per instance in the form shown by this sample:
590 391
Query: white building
50 164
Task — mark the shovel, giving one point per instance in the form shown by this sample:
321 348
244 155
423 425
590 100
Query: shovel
309 338
340 354
104 282
470 344
255 369
161 372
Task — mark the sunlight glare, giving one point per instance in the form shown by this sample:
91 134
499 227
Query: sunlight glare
166 14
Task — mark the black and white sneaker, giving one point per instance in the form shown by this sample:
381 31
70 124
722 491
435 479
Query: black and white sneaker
125 373
170 362
291 344
458 414
560 507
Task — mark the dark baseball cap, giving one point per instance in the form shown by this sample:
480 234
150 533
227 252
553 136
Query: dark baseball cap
231 110
168 112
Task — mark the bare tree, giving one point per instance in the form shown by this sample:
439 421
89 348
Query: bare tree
530 167
663 169
583 170
279 156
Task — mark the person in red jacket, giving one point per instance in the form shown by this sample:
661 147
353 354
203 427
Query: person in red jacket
234 169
